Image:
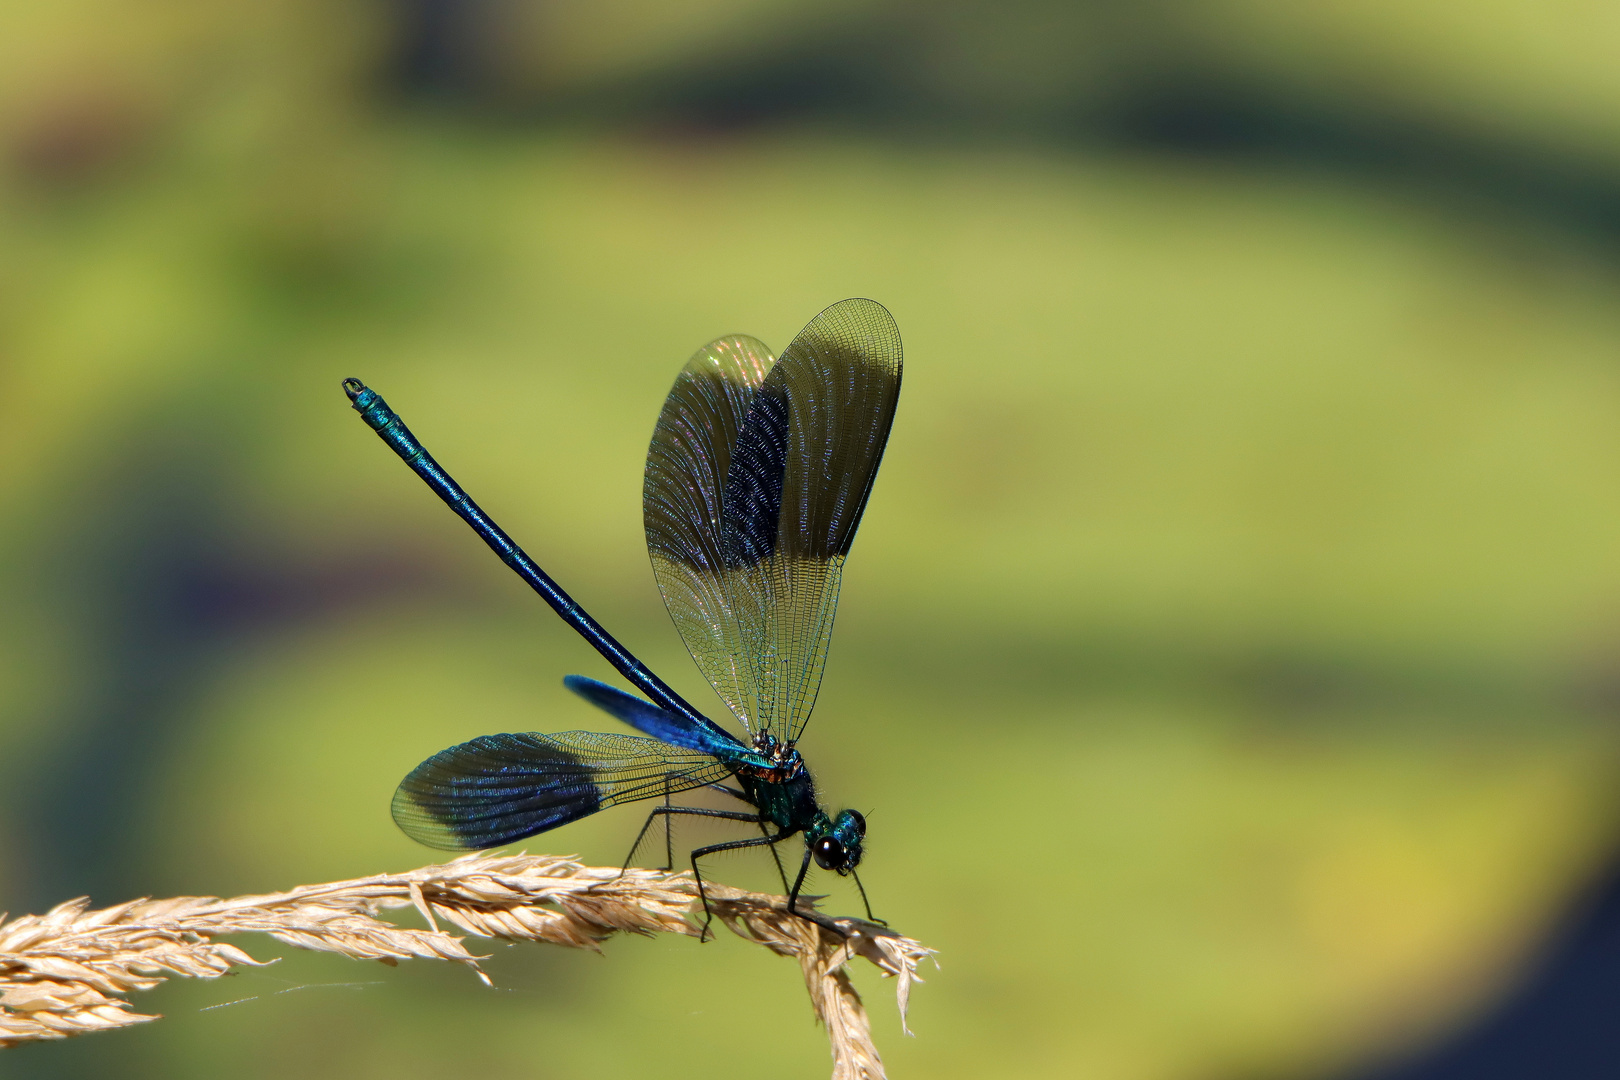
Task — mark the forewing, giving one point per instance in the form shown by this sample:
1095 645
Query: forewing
795 488
682 507
500 788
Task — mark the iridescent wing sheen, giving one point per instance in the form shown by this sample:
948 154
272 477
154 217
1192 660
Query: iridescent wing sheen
681 506
756 480
500 788
661 724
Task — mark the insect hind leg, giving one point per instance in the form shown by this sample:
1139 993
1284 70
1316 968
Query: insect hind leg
666 812
669 832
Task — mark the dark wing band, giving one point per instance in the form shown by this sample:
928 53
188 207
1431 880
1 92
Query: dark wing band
681 506
500 788
757 477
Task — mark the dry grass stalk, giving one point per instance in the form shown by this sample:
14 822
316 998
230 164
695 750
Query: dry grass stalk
66 972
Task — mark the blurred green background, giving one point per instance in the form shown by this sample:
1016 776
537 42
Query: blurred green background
1229 659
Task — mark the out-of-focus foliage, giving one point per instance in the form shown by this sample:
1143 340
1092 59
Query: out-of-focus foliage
1243 579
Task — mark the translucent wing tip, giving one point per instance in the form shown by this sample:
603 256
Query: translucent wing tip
420 823
757 477
873 321
493 790
858 303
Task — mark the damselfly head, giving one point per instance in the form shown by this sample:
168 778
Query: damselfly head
839 847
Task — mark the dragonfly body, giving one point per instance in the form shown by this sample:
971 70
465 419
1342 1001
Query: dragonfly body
756 479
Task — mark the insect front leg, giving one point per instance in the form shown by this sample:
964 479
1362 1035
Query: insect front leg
810 916
865 902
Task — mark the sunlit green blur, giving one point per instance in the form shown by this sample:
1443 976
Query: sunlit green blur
1227 659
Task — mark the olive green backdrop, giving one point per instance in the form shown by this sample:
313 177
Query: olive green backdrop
1228 659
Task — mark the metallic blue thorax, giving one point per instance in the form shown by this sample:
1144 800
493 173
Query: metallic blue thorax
785 794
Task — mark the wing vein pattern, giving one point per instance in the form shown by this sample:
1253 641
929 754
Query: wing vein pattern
757 476
500 788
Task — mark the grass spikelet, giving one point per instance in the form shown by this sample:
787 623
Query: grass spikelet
68 972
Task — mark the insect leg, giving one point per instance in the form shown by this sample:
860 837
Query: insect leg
775 857
868 904
669 833
666 811
730 845
793 896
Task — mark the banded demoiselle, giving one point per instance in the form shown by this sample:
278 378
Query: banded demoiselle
756 480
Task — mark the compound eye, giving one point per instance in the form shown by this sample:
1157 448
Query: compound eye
828 852
860 822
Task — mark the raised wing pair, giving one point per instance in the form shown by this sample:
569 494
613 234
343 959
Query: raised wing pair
756 479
